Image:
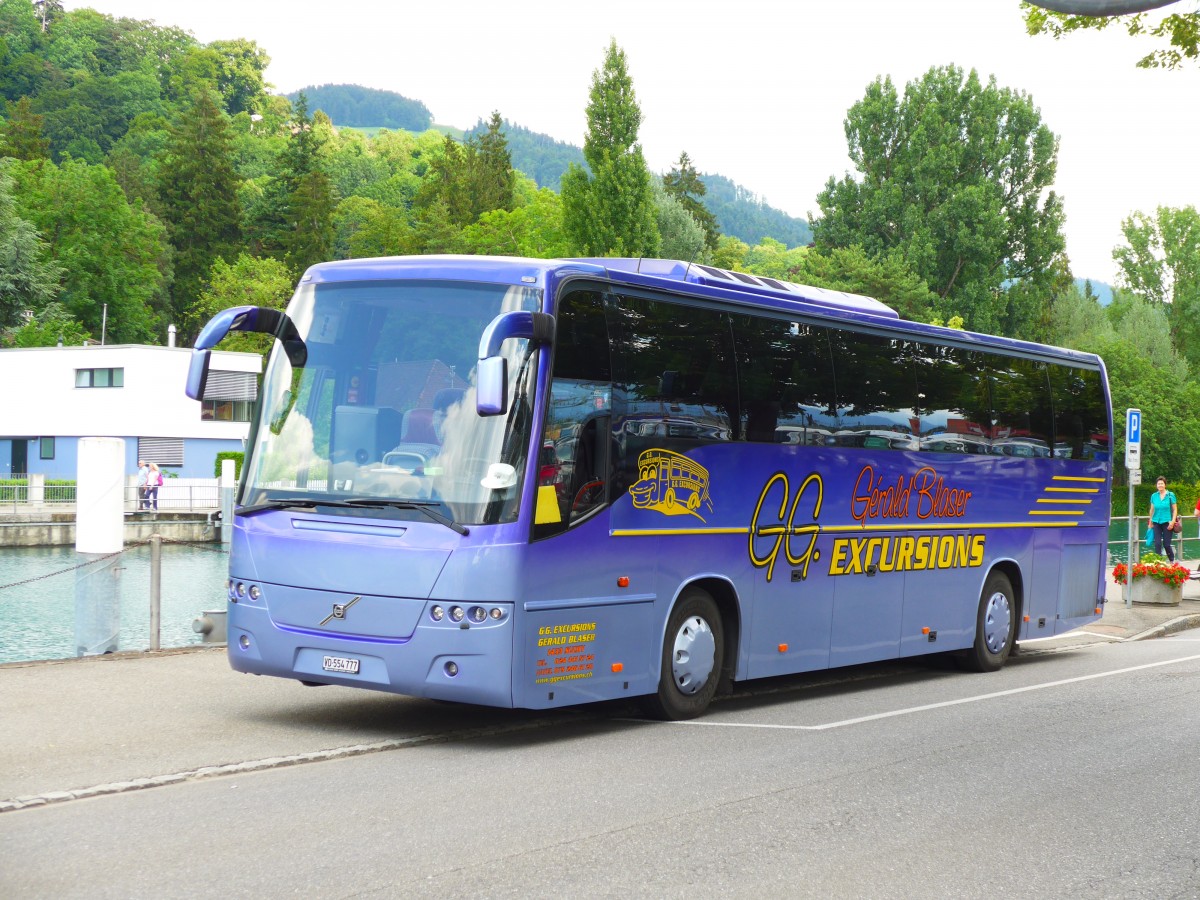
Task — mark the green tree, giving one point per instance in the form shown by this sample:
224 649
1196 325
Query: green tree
532 229
1180 30
28 277
21 136
491 181
240 67
685 185
1079 319
1145 327
293 220
731 253
681 235
610 211
887 279
247 281
1170 422
111 251
365 227
48 327
1160 261
444 185
197 189
956 176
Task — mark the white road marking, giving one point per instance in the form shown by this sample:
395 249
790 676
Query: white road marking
945 703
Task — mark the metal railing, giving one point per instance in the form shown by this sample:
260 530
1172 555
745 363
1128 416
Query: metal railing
1186 544
20 498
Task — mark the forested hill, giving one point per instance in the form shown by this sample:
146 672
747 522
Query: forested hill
746 216
740 213
362 107
539 156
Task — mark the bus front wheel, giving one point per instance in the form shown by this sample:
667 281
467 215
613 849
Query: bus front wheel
995 626
692 656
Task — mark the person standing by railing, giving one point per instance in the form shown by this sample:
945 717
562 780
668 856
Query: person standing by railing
143 477
153 481
1164 510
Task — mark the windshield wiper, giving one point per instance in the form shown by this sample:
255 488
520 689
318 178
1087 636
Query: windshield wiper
419 506
358 503
296 503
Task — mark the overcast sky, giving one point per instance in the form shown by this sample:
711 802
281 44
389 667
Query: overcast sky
754 90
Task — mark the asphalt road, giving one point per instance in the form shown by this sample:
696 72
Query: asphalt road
1068 774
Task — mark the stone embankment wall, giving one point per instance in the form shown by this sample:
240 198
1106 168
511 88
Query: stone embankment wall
58 529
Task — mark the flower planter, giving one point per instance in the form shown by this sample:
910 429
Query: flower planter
1152 591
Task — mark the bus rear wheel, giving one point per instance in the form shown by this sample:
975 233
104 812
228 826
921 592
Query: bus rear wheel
693 654
995 626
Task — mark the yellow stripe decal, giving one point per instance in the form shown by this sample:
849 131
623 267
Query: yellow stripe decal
1073 490
1056 512
1075 478
849 529
1064 500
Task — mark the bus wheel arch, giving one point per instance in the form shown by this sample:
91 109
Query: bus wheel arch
997 620
698 642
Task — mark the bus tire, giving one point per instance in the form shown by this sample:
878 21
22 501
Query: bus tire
995 626
693 654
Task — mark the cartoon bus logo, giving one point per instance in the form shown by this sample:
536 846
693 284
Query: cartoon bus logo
670 483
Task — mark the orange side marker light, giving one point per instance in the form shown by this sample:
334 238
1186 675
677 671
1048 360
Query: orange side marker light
925 630
783 648
1027 618
617 667
623 581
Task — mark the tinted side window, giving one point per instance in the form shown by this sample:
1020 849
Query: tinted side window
675 381
785 376
1080 414
573 465
953 397
876 391
1021 421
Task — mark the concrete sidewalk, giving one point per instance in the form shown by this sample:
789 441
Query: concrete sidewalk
101 725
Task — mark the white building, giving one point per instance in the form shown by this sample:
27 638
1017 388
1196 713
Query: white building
52 396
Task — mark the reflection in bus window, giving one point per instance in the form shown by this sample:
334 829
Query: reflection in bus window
1021 421
786 380
876 392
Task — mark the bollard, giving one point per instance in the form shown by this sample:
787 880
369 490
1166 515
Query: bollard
211 626
228 485
155 590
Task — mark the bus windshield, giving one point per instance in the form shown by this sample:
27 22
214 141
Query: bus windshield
382 414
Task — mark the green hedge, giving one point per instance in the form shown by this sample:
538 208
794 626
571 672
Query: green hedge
16 489
1185 493
238 458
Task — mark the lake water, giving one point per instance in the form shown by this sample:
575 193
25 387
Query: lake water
38 617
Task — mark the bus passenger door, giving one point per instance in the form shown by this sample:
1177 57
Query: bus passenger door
589 599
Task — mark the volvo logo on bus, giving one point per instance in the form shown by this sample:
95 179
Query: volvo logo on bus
339 611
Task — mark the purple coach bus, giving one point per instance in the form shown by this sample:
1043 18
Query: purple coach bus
536 483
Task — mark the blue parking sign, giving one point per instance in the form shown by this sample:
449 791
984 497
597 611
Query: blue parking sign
1133 439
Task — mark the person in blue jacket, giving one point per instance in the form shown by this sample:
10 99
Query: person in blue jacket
1164 509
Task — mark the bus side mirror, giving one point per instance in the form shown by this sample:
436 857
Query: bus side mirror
491 393
242 318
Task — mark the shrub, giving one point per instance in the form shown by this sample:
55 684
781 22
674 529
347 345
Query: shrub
238 458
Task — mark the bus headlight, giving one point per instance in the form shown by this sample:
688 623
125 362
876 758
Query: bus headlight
477 614
436 613
456 613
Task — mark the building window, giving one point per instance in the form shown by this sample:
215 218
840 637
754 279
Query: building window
225 410
47 447
98 378
229 396
162 451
